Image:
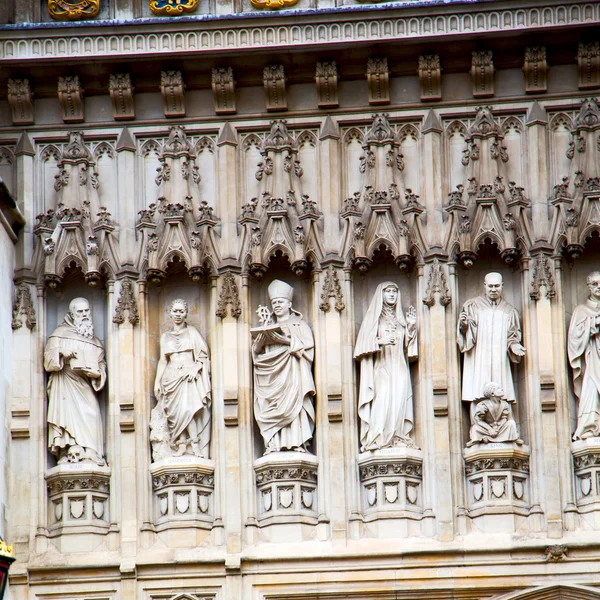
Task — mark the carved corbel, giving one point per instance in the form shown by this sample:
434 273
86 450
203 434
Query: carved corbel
378 79
73 10
536 70
173 9
430 77
588 63
482 73
70 96
126 303
274 83
172 89
23 309
20 99
223 87
121 96
326 77
229 298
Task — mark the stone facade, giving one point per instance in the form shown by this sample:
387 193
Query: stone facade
209 153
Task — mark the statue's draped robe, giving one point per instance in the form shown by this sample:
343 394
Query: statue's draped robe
184 400
385 402
489 413
584 356
486 344
73 409
284 388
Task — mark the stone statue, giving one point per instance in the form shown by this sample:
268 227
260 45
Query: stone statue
180 422
584 356
386 342
283 353
489 336
492 419
74 357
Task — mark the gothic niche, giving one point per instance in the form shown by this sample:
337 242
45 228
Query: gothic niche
383 214
78 232
180 227
284 410
486 207
282 220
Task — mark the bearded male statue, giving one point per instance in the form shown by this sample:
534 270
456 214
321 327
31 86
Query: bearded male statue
74 357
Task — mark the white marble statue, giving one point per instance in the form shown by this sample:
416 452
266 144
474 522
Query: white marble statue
584 356
180 422
283 353
74 357
489 336
386 342
492 418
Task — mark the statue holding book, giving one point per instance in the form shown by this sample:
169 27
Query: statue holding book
284 388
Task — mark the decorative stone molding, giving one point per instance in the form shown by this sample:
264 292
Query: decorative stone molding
70 96
121 96
332 289
274 83
78 499
482 74
340 31
430 77
73 10
326 78
286 484
180 227
391 488
497 483
285 220
126 303
182 489
20 99
536 70
588 63
229 297
388 216
273 4
223 87
79 231
586 459
172 89
23 309
436 284
542 277
378 80
170 9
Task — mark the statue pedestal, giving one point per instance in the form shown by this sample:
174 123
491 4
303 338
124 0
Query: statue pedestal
182 489
286 483
497 485
586 457
391 489
78 495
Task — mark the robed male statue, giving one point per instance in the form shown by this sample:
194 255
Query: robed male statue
489 336
74 357
584 356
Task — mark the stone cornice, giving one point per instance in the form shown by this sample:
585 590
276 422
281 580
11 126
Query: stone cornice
322 28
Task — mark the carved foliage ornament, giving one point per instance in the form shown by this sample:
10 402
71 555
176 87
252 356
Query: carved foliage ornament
126 302
23 310
73 10
542 276
20 98
173 8
332 289
229 296
437 284
273 4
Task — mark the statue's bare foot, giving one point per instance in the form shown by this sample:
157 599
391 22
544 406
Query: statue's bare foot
196 449
180 450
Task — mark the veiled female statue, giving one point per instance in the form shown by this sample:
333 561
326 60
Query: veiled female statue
283 353
182 389
386 342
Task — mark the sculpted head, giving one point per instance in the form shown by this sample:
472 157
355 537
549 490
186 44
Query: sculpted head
281 295
493 286
493 390
178 311
79 309
593 283
390 294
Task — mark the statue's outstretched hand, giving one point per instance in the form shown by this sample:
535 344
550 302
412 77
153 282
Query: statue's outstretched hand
411 315
518 349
